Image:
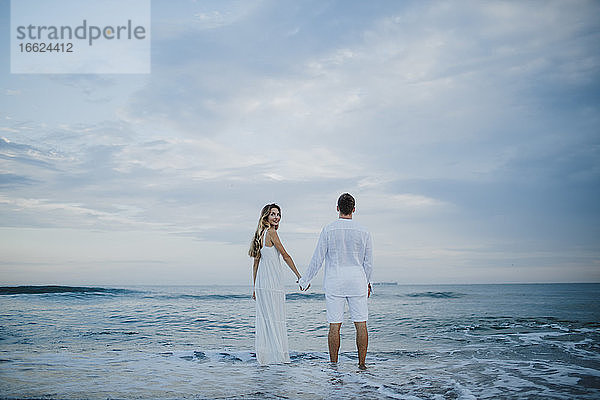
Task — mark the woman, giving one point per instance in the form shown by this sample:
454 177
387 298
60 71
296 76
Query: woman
271 331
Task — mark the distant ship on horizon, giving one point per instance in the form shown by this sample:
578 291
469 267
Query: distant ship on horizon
385 283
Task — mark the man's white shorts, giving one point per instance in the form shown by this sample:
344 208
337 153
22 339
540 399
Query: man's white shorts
357 305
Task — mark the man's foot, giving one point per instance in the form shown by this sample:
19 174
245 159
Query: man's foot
362 366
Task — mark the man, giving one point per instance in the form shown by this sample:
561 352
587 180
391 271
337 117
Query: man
346 248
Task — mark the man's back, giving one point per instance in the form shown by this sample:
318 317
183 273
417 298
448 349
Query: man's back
346 248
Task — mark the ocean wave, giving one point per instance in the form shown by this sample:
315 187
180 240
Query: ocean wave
303 296
246 356
203 296
110 332
295 356
437 295
213 297
9 290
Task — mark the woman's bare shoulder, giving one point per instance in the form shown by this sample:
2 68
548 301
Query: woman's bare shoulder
271 232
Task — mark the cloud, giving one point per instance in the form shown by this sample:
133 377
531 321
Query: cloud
25 154
8 180
200 16
411 84
463 131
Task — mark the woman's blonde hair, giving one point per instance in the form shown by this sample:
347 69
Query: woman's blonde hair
263 225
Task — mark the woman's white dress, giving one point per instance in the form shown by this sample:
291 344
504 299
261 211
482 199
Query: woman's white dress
271 331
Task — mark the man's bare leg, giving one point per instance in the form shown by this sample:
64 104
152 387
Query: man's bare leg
334 341
362 341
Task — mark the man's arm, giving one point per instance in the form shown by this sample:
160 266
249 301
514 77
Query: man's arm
368 262
316 262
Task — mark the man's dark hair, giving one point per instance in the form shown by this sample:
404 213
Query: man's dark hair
346 203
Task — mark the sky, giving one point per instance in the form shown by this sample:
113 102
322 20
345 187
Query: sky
468 132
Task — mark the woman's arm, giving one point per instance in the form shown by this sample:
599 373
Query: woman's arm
286 257
254 269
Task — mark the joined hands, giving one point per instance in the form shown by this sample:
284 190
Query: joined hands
304 290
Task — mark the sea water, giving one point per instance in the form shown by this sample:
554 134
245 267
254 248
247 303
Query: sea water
197 342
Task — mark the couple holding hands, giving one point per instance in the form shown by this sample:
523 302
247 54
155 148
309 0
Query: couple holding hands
345 247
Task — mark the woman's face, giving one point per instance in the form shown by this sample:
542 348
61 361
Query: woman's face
274 217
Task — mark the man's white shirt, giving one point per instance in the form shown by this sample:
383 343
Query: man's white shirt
347 249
